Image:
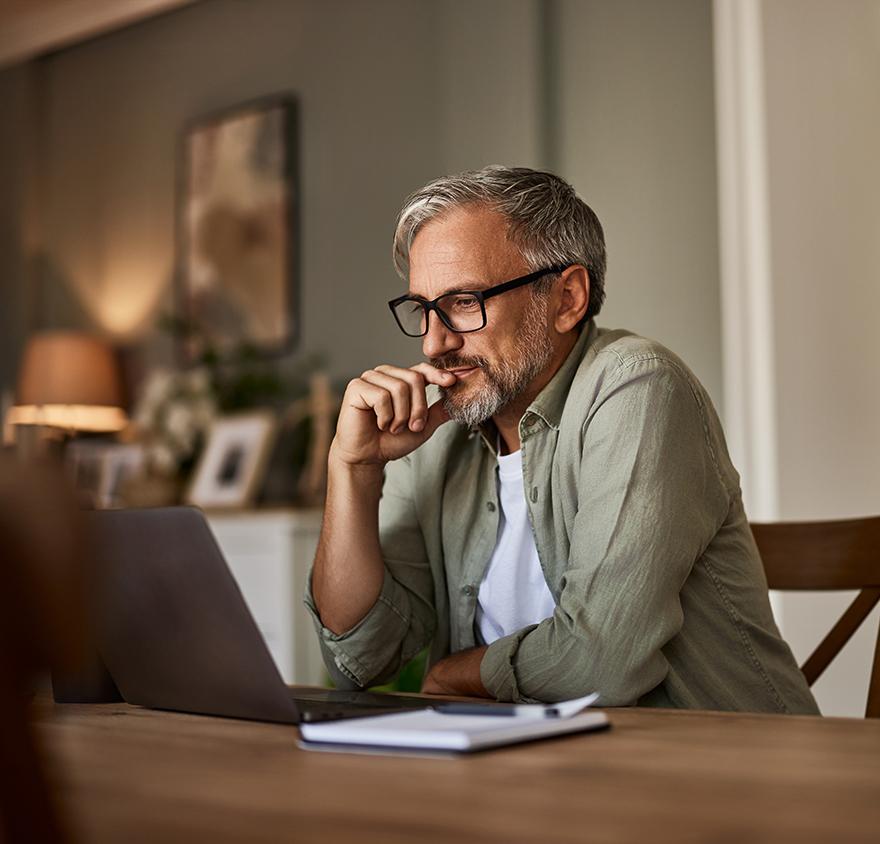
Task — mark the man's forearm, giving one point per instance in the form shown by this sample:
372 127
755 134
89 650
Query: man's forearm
457 674
348 571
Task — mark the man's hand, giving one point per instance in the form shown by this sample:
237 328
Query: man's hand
458 674
385 414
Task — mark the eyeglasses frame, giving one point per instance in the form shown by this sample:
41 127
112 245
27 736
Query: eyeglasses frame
479 295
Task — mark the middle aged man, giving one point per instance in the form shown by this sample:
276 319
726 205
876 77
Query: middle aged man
578 525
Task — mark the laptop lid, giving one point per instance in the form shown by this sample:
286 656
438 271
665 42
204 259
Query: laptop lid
172 625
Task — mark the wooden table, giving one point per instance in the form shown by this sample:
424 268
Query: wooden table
131 775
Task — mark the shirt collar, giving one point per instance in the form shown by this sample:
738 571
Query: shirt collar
549 403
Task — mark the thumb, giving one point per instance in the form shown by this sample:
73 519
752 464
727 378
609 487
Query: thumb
437 415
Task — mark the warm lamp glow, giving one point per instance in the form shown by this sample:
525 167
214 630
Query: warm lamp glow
68 380
125 297
75 417
126 306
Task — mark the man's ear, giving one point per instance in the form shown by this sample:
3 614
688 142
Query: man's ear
574 298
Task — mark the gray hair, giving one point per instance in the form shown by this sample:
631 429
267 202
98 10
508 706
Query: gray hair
547 221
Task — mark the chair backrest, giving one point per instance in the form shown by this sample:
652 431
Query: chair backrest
830 555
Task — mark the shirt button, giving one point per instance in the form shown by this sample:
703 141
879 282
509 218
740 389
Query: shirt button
467 590
490 506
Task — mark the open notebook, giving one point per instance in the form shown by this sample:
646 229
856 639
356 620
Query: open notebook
451 728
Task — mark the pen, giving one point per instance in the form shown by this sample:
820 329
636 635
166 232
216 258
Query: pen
497 709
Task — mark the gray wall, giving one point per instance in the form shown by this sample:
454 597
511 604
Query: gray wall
615 97
637 138
117 106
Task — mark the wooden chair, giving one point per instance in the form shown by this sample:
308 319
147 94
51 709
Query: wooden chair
830 555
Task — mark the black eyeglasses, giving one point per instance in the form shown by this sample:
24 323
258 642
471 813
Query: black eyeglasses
461 311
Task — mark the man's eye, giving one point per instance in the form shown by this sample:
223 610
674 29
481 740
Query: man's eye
465 303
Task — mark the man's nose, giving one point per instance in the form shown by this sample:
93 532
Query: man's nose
439 340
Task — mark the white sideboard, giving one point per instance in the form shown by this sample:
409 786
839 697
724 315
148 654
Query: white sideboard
269 553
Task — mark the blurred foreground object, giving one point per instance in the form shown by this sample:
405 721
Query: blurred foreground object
70 381
42 623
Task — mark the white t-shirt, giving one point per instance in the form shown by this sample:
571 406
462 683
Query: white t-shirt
513 592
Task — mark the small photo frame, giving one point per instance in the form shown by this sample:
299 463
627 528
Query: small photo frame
84 461
100 470
233 462
122 464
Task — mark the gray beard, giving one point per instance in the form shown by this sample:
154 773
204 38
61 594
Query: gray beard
505 381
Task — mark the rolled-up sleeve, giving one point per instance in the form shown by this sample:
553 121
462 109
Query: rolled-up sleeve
650 497
402 620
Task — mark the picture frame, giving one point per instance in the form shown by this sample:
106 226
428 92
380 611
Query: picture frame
233 462
83 462
122 463
100 470
238 244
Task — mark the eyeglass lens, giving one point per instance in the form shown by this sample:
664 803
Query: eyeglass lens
463 312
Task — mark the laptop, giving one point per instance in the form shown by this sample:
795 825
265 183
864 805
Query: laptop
174 632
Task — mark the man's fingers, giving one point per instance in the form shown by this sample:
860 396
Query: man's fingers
415 382
398 399
440 377
437 415
372 397
401 396
417 377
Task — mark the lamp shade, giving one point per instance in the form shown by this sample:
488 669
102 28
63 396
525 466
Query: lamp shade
69 380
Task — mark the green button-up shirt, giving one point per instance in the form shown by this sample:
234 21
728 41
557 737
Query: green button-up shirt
639 524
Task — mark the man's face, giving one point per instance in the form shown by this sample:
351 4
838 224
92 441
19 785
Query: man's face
468 249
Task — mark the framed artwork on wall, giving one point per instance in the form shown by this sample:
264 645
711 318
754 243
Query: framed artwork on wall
238 243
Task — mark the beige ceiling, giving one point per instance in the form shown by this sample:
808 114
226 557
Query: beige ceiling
31 27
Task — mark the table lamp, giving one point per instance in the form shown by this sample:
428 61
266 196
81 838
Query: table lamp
68 380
